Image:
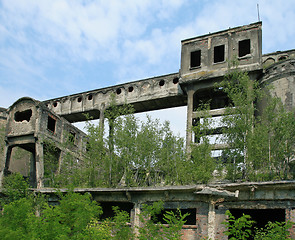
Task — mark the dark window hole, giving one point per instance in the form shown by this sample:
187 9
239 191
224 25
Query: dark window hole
282 58
79 99
175 80
72 137
130 89
118 91
51 124
261 216
219 54
23 116
161 83
196 59
244 47
90 97
108 211
190 219
55 104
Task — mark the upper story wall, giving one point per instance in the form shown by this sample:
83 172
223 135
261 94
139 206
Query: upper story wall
209 55
29 119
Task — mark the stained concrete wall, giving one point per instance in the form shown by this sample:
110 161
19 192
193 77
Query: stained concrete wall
32 126
210 202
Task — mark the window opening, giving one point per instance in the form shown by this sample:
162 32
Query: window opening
90 97
175 80
51 163
161 83
190 219
282 58
23 116
79 99
119 91
55 104
51 124
130 89
261 216
22 160
244 47
72 137
107 208
219 54
196 59
215 98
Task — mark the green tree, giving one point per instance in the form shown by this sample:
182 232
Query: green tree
201 164
276 230
153 229
261 140
238 229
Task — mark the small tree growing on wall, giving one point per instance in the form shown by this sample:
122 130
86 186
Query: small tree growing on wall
261 141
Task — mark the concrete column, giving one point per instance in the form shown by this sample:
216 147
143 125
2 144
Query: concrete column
101 119
211 221
32 170
39 157
5 163
189 122
135 219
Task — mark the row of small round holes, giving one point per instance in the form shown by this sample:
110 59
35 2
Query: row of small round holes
119 91
161 84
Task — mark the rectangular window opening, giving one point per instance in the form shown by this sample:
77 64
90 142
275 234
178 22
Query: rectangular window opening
196 59
190 219
219 54
244 47
51 124
72 137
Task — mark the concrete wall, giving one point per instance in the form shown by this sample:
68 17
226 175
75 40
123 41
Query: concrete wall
209 201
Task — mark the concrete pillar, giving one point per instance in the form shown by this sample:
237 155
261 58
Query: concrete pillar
5 163
39 157
189 121
32 173
211 221
101 119
135 219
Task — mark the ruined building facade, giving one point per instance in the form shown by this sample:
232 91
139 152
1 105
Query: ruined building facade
204 62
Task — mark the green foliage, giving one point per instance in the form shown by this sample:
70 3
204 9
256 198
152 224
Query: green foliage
51 157
277 230
76 211
243 228
175 222
17 220
261 139
159 231
2 142
201 164
238 229
135 153
15 187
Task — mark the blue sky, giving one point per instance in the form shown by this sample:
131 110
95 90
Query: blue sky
54 48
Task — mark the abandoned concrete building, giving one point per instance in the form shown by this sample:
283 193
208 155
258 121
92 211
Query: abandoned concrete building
204 61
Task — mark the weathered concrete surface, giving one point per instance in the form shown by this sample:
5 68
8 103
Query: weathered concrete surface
280 76
31 126
212 67
145 95
207 203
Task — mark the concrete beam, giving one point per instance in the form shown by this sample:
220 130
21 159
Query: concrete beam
145 95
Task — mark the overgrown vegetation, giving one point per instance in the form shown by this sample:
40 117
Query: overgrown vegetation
134 153
28 216
243 228
261 139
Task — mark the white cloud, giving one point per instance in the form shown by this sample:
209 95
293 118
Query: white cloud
45 45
